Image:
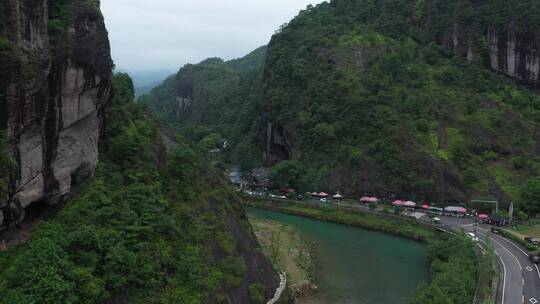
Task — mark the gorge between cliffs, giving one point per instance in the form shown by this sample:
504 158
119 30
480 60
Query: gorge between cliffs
399 137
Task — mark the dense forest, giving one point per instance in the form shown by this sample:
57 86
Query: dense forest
390 98
155 225
212 103
369 102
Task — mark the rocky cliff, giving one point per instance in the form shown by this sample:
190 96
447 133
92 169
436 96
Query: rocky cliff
505 35
55 79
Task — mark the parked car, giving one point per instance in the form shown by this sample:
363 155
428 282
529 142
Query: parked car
436 220
532 241
323 200
494 230
535 258
472 236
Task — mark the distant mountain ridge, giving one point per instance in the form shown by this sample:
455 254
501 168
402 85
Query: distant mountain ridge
146 80
213 102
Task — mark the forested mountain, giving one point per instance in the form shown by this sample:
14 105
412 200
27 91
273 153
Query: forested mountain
397 97
213 102
430 100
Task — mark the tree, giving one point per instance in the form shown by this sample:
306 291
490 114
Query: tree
288 174
531 196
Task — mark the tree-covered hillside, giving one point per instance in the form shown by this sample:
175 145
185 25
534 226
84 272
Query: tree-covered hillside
416 99
155 225
364 97
212 103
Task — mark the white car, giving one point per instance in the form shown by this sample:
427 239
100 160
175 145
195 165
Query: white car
472 236
323 200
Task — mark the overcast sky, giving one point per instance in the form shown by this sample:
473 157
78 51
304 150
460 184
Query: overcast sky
166 34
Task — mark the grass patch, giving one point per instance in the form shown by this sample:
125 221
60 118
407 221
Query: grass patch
284 246
396 225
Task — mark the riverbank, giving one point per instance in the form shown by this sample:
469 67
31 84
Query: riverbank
387 223
284 246
355 265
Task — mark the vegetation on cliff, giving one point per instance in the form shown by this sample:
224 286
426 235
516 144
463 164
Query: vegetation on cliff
150 227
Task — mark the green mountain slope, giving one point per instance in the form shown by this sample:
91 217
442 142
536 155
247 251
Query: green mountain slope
367 98
212 103
429 100
155 225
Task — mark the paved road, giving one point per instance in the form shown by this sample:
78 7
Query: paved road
520 279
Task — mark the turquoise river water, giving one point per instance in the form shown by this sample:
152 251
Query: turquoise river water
358 266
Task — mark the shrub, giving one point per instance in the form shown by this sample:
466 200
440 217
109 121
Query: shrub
256 293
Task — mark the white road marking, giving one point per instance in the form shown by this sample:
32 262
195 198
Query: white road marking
537 270
504 277
533 300
527 255
517 260
529 268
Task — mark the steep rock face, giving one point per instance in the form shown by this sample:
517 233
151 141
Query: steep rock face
276 147
184 98
504 34
52 98
514 54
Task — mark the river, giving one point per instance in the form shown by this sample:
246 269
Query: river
358 266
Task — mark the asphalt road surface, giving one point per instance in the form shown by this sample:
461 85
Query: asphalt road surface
520 279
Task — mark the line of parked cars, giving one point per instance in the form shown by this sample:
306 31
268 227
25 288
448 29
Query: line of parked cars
532 241
535 258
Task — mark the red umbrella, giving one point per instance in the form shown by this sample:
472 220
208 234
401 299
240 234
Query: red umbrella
322 194
483 216
425 206
398 203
